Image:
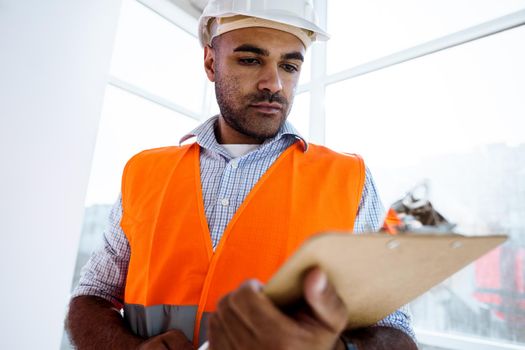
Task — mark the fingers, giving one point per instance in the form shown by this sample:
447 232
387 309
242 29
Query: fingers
322 297
250 303
236 306
229 326
217 336
239 331
246 317
176 340
170 340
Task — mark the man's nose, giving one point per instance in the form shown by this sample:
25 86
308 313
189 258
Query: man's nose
270 80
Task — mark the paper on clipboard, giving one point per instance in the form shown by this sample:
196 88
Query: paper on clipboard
375 274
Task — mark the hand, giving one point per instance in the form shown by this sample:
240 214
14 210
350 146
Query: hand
247 319
170 340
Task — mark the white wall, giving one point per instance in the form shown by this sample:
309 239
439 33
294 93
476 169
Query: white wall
54 59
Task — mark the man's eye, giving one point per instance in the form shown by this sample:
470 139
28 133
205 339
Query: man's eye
248 61
290 68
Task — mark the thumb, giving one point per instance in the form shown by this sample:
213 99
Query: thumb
322 297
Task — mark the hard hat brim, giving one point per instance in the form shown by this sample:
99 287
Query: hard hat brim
318 34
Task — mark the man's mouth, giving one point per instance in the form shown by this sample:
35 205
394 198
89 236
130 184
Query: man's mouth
267 107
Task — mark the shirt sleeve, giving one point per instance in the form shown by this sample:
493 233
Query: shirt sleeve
369 218
370 213
104 275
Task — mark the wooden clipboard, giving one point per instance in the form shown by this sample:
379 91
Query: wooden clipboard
375 274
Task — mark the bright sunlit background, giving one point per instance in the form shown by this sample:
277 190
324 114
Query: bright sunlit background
410 85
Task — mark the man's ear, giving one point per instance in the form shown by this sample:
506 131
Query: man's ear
209 62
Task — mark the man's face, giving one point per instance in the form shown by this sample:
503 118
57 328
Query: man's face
256 71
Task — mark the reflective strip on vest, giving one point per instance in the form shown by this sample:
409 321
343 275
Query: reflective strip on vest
149 321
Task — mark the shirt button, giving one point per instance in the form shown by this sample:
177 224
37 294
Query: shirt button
225 202
235 164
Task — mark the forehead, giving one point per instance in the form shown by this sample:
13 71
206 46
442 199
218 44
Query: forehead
273 40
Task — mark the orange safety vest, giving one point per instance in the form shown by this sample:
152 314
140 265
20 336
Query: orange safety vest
175 279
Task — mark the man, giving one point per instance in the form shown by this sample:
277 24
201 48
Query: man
197 224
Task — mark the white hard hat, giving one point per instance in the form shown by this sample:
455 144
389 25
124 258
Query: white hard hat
295 16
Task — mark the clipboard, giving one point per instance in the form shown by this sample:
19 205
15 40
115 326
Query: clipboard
376 274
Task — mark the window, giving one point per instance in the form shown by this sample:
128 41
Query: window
367 30
144 106
153 54
451 101
453 120
156 93
128 125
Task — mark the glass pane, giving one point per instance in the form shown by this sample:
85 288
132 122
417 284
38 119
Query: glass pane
300 114
455 120
366 30
128 125
157 56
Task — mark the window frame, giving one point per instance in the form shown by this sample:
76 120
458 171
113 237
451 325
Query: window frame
317 87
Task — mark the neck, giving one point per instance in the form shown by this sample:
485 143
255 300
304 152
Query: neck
225 134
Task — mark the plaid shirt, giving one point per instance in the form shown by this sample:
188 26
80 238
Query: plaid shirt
226 181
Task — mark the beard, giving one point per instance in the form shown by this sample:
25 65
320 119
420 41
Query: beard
237 113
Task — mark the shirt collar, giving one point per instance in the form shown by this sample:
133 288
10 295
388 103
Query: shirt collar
205 134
